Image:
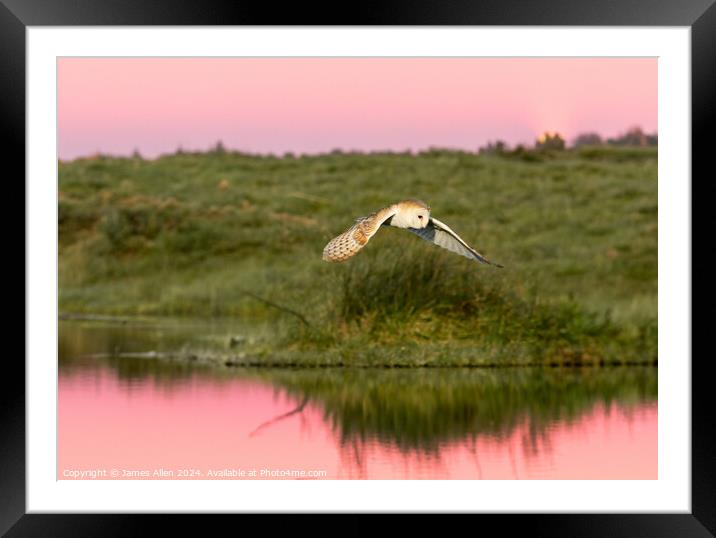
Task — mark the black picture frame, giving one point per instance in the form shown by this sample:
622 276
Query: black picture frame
17 15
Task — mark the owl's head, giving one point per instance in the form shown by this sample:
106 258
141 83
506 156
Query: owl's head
416 214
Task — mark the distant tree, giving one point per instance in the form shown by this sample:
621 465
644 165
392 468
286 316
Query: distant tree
550 141
652 140
218 147
587 139
633 137
498 147
137 155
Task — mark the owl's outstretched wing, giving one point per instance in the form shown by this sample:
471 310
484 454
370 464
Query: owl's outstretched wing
344 246
441 235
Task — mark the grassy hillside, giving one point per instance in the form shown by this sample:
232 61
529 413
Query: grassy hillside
231 235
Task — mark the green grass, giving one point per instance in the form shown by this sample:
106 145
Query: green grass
191 234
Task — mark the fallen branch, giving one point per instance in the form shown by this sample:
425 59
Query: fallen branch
278 306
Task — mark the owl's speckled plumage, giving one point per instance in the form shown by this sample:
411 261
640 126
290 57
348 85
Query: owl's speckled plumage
352 240
412 215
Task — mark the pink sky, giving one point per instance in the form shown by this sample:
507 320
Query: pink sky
314 105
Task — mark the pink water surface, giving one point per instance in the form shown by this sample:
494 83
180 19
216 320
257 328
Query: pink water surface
203 423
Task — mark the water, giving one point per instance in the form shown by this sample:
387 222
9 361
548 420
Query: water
140 418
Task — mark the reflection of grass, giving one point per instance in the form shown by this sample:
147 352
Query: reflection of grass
422 409
187 235
415 409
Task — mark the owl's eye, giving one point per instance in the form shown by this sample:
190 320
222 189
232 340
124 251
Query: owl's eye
420 217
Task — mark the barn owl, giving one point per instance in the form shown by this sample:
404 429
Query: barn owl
412 215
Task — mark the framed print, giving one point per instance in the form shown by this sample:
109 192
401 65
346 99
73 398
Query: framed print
424 261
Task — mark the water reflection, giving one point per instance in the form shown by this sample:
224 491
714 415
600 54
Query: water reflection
421 409
351 423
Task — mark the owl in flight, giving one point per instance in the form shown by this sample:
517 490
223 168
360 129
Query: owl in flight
412 215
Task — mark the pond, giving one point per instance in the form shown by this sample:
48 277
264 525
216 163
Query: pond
140 417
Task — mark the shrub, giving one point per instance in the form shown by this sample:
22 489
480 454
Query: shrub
403 281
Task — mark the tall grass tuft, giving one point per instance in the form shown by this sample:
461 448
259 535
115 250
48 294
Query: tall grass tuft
414 282
407 279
